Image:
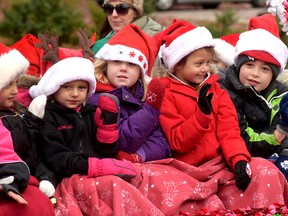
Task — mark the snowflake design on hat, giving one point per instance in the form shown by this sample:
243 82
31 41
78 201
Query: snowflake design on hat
132 54
140 58
279 8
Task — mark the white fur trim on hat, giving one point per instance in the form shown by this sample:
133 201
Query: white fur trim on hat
66 70
262 40
12 64
120 52
224 51
185 44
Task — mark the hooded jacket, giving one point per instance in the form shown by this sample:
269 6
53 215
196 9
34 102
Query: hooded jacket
194 137
258 114
139 128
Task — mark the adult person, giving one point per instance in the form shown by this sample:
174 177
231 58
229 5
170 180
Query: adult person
120 13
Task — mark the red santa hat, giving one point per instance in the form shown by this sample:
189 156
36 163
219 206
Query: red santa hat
262 45
265 21
225 48
66 70
12 64
183 40
132 45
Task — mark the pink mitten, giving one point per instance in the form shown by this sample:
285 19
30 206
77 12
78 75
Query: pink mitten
107 117
155 93
109 166
134 158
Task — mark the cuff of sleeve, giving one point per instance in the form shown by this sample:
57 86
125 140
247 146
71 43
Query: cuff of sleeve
142 154
202 118
238 158
282 129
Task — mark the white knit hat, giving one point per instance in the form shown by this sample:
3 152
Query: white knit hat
183 40
12 64
264 41
66 70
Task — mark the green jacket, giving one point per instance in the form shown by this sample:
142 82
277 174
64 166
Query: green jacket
147 24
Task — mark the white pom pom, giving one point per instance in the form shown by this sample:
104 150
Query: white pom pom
47 188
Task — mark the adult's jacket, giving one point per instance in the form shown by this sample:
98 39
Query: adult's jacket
258 114
68 139
139 128
194 137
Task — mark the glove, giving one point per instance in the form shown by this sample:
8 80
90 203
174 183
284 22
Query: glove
282 162
134 158
108 166
204 100
243 175
47 188
283 124
107 117
155 93
37 106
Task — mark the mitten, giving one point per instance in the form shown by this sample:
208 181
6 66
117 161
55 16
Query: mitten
282 162
47 188
204 100
108 166
134 158
107 117
155 93
243 175
37 106
283 124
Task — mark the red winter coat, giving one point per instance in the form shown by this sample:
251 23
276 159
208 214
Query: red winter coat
194 137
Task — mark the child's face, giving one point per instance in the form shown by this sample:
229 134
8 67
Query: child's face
8 94
121 73
196 67
257 74
72 94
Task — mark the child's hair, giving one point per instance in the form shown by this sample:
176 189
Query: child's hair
101 75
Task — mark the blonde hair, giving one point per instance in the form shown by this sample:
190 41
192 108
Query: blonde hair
100 72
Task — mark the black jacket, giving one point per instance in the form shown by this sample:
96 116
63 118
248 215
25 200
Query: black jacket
24 130
258 114
69 139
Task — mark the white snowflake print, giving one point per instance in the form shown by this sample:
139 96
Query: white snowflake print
151 97
128 203
171 192
259 200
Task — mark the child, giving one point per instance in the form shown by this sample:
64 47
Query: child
68 136
122 74
252 85
23 127
200 123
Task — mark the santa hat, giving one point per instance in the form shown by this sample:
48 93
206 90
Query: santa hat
265 21
136 4
262 45
66 70
183 40
12 64
132 45
225 48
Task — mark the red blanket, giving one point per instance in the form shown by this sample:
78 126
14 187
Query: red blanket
168 186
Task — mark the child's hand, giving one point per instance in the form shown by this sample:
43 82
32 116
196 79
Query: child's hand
243 175
204 100
15 196
107 117
155 93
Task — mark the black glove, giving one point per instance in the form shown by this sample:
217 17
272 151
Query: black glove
243 175
283 124
204 100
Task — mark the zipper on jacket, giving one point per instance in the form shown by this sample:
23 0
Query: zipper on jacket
81 133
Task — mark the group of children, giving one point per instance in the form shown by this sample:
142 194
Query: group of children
91 122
